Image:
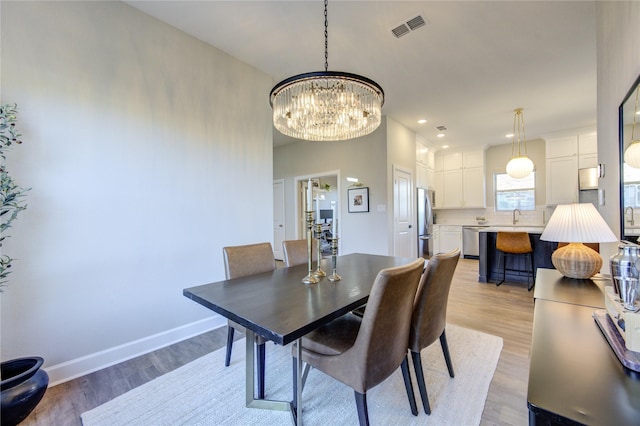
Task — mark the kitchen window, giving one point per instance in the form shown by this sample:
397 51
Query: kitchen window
515 193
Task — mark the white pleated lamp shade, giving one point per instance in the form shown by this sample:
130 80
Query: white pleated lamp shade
519 167
632 154
576 224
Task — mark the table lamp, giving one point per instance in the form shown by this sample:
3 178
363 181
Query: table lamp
576 224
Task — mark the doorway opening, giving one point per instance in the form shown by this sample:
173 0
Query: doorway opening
326 206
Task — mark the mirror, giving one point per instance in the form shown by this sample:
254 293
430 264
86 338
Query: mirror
629 114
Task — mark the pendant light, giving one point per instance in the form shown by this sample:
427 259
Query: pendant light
519 166
326 105
632 153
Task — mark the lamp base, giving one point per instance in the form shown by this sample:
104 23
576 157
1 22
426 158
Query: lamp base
575 260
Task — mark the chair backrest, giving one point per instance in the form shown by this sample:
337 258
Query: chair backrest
513 242
240 261
295 252
430 307
382 340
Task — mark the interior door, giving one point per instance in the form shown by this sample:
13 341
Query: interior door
403 241
278 218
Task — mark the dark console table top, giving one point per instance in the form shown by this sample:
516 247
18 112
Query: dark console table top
551 285
574 376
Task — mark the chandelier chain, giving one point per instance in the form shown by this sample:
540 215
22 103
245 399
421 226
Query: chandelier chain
326 37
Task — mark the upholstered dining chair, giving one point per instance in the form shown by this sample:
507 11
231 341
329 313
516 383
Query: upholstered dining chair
429 317
296 253
363 352
240 261
515 244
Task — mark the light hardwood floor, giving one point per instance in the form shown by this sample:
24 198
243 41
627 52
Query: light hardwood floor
505 311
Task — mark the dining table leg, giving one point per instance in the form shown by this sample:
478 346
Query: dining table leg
250 390
298 379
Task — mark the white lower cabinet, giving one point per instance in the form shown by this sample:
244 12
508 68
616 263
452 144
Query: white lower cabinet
450 238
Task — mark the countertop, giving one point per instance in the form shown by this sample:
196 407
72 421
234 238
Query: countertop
529 229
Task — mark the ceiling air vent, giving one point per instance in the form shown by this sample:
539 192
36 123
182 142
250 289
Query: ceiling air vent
441 128
408 26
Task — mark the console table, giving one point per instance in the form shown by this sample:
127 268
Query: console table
574 375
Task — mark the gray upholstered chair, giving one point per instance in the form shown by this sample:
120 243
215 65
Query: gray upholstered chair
240 261
363 352
430 314
295 252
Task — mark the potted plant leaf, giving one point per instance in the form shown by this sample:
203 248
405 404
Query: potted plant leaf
22 381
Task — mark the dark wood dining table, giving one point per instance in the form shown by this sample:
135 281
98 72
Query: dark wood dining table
279 307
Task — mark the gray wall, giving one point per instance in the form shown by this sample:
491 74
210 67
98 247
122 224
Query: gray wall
618 43
147 151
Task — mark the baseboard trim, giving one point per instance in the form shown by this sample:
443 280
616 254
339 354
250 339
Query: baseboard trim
82 366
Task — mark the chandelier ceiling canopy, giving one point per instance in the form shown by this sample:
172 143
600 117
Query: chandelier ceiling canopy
326 105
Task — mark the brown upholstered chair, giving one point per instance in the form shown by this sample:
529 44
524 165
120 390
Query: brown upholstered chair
363 352
515 244
240 261
430 314
295 252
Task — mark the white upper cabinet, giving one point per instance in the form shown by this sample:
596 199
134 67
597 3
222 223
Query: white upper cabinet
564 156
461 184
562 147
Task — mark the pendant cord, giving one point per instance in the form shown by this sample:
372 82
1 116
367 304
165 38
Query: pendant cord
518 121
326 38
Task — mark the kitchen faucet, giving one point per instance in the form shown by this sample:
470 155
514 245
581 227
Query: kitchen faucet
514 215
631 221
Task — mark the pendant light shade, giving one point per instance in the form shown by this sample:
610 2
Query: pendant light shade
632 153
520 166
326 105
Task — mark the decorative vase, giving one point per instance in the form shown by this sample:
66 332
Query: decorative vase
22 387
623 264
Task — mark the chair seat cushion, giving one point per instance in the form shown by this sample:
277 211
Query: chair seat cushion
333 338
259 339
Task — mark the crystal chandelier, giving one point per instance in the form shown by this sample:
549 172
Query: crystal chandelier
519 166
632 153
326 105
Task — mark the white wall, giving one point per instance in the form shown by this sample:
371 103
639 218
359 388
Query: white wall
618 54
147 151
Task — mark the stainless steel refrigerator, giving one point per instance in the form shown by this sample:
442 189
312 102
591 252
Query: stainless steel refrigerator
425 222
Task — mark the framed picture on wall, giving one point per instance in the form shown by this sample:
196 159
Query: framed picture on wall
358 200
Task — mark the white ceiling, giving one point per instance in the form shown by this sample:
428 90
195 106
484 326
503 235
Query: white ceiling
467 69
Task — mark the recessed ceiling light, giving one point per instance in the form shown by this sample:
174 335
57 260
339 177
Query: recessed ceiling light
441 135
422 121
445 146
508 135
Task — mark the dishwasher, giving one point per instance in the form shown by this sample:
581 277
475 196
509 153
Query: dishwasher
470 241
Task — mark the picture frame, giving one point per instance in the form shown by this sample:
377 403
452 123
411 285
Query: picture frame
358 199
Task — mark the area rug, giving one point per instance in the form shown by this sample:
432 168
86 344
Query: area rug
204 392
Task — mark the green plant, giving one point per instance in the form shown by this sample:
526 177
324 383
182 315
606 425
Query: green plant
11 195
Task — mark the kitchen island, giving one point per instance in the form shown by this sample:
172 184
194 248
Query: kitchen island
490 271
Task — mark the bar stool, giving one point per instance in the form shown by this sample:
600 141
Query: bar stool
515 244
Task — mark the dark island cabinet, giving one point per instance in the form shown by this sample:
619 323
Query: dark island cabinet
490 271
